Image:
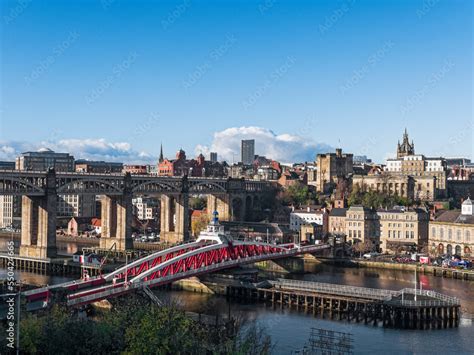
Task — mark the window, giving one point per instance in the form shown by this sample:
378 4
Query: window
459 235
433 232
468 236
450 234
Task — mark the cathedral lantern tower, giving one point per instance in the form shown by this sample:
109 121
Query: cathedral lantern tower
405 148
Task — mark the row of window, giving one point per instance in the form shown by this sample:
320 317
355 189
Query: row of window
398 234
449 235
399 225
355 234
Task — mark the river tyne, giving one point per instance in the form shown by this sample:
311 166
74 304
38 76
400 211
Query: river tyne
290 329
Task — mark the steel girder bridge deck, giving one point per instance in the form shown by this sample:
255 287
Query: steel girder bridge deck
167 266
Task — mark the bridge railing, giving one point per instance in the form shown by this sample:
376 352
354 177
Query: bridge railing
333 289
425 293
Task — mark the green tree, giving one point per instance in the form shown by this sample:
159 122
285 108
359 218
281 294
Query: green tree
197 203
299 195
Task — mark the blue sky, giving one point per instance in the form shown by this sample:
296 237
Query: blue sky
113 79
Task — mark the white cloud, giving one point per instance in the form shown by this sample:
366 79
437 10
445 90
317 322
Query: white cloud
92 149
286 148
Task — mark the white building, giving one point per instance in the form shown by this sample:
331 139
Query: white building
10 211
145 208
308 215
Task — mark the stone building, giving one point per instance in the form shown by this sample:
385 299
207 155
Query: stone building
409 175
403 229
199 167
452 232
330 167
362 226
385 182
337 221
405 148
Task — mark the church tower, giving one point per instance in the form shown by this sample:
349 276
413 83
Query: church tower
405 148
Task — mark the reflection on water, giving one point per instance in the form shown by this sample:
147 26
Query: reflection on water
290 329
64 248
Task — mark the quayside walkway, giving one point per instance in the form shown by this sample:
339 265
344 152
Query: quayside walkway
406 308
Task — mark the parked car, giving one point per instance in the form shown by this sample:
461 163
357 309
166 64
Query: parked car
370 255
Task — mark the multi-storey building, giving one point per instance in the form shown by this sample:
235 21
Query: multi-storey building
362 226
135 169
403 229
44 159
190 167
384 182
247 151
7 165
10 211
68 205
331 167
337 221
452 232
101 167
409 175
308 215
77 206
145 208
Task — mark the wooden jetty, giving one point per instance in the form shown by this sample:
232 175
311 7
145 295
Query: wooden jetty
395 309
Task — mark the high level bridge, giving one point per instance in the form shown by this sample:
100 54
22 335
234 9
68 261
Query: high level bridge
234 199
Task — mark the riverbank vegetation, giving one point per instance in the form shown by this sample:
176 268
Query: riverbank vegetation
136 326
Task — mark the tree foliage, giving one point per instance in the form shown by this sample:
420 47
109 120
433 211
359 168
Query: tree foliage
197 203
298 195
374 199
199 224
135 327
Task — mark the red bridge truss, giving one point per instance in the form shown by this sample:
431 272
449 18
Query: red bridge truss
170 265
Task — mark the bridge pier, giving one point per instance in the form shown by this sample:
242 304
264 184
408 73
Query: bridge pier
221 204
116 216
38 222
175 218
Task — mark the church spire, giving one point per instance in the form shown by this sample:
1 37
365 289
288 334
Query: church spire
160 160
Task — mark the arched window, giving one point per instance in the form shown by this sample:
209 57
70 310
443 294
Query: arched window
467 251
449 249
457 250
441 248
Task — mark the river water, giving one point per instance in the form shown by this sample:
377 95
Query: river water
290 329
